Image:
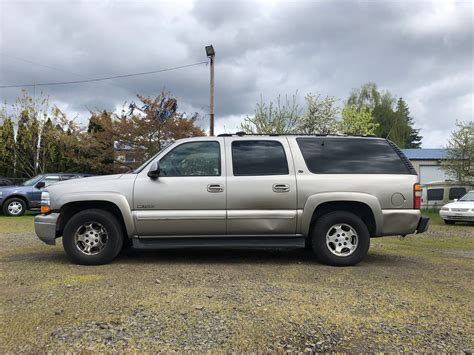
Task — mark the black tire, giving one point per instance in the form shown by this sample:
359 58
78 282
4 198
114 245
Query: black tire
14 200
448 221
324 225
104 219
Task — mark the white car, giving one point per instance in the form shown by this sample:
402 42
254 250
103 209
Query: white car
461 210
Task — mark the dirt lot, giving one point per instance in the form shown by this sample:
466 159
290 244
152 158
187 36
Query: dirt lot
410 295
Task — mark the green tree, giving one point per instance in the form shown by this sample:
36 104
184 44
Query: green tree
7 143
393 116
101 150
320 116
271 118
358 122
460 153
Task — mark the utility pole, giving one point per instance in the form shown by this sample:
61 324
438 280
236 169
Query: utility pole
211 54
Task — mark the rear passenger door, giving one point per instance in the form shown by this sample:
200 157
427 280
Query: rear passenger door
261 186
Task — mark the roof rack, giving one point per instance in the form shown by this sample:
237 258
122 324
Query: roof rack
241 134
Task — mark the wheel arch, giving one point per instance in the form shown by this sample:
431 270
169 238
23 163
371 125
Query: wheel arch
122 213
363 205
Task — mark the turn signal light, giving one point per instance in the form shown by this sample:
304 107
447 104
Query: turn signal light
45 209
417 196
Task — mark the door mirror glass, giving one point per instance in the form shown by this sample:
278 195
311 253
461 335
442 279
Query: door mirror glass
154 171
40 185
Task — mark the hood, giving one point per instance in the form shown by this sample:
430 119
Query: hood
88 180
15 188
460 204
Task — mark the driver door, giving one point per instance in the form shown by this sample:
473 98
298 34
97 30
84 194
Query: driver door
188 197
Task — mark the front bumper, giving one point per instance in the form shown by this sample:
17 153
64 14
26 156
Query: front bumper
457 216
45 227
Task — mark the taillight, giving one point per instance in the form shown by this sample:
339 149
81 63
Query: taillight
417 196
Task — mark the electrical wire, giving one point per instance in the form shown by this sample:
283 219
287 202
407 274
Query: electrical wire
101 79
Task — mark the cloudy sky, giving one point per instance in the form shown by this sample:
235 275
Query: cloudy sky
420 50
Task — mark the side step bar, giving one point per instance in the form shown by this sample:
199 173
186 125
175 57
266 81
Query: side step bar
218 243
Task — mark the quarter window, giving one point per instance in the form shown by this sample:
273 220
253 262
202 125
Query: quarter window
192 159
435 194
350 156
456 192
258 157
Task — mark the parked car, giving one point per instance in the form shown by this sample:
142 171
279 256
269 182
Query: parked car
330 193
436 194
461 210
16 199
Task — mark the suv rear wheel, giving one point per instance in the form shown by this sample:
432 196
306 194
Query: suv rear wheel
92 237
14 207
340 238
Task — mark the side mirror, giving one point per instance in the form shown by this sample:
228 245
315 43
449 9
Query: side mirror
40 185
154 171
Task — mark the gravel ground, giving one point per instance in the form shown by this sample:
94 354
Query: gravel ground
411 295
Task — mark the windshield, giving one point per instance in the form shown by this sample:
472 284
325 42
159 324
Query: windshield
468 197
32 181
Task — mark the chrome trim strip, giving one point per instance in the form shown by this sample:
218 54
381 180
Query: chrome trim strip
180 215
226 236
261 214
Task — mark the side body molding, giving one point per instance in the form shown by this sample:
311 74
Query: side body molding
316 200
104 196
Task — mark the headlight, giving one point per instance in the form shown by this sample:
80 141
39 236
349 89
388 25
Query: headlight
45 202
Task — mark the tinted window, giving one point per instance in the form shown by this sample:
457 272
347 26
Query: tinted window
350 156
435 194
456 192
192 159
258 158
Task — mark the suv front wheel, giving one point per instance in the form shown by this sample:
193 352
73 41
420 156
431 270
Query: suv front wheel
340 238
92 237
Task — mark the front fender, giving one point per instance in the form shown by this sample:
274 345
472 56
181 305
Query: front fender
316 200
113 197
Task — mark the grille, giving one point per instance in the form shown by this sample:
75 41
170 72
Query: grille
459 209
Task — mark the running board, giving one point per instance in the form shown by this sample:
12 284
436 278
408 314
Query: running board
218 243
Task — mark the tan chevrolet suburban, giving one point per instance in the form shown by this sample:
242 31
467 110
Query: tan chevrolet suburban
328 193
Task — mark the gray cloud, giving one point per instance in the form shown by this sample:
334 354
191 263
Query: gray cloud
419 50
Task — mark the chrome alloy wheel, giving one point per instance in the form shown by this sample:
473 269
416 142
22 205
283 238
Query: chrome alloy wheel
90 238
342 239
15 208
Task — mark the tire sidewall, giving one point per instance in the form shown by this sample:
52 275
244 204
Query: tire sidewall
7 202
321 228
114 235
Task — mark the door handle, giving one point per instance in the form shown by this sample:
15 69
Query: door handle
281 188
215 188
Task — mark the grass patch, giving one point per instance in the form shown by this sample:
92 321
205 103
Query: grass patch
20 224
433 214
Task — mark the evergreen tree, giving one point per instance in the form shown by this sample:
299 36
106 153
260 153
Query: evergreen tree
7 144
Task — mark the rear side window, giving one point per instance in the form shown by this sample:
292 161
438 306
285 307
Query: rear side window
350 156
258 157
435 194
456 192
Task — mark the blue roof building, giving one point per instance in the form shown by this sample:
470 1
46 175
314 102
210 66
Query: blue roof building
427 163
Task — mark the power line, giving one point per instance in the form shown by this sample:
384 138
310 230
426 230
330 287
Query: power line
101 79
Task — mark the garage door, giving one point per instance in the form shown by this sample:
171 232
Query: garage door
429 173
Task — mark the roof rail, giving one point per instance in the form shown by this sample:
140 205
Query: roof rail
240 134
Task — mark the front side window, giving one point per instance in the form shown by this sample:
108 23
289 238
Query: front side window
435 194
192 159
456 192
258 157
350 156
48 180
